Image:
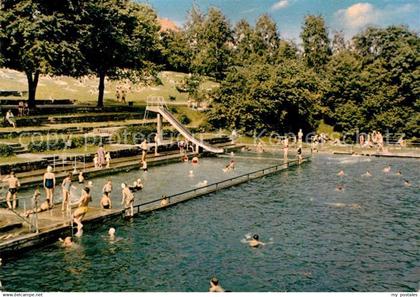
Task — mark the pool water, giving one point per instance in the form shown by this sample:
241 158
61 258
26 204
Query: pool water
365 238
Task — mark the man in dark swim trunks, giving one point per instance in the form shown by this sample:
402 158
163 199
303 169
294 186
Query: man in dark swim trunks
14 184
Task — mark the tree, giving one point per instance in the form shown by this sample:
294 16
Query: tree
117 36
37 38
316 44
211 46
175 51
243 41
264 97
266 37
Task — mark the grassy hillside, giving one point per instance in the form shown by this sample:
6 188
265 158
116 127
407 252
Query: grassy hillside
84 90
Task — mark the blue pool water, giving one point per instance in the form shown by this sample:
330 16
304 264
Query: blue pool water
365 238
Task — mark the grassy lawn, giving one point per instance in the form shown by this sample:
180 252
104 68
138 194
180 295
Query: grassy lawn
77 125
13 160
85 90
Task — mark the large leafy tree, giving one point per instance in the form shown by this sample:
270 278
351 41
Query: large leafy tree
264 97
212 52
316 43
116 37
266 38
39 37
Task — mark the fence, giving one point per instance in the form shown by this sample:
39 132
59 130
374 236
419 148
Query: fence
190 194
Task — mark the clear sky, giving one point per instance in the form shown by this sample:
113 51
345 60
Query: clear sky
350 16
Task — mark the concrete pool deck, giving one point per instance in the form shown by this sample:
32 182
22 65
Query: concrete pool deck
53 224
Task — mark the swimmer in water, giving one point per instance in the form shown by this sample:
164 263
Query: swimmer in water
185 158
399 172
195 160
387 169
255 241
341 173
67 242
105 202
339 188
202 184
230 166
367 173
215 286
111 233
407 183
81 178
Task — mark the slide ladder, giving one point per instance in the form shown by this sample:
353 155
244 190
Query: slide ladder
158 105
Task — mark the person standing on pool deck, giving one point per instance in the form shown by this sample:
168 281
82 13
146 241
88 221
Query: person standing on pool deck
107 189
143 147
82 209
101 156
66 187
127 199
299 154
49 185
300 136
215 286
14 184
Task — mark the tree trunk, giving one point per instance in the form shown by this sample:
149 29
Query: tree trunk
101 89
32 85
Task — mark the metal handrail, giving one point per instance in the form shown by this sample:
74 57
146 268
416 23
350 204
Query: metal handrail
276 167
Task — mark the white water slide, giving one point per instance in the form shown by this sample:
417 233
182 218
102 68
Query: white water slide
158 105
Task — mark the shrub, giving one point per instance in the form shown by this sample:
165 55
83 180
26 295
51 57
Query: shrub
134 134
185 120
6 150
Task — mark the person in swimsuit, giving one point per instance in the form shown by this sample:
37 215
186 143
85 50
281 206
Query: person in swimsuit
144 148
66 242
108 159
215 286
43 207
82 209
49 185
107 189
144 166
255 241
185 158
127 199
140 185
105 202
299 154
14 184
387 169
165 201
66 187
81 178
111 233
367 173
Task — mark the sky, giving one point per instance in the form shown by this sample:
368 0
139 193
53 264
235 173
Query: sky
349 16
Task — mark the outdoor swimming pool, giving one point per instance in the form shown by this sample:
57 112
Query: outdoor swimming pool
365 238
